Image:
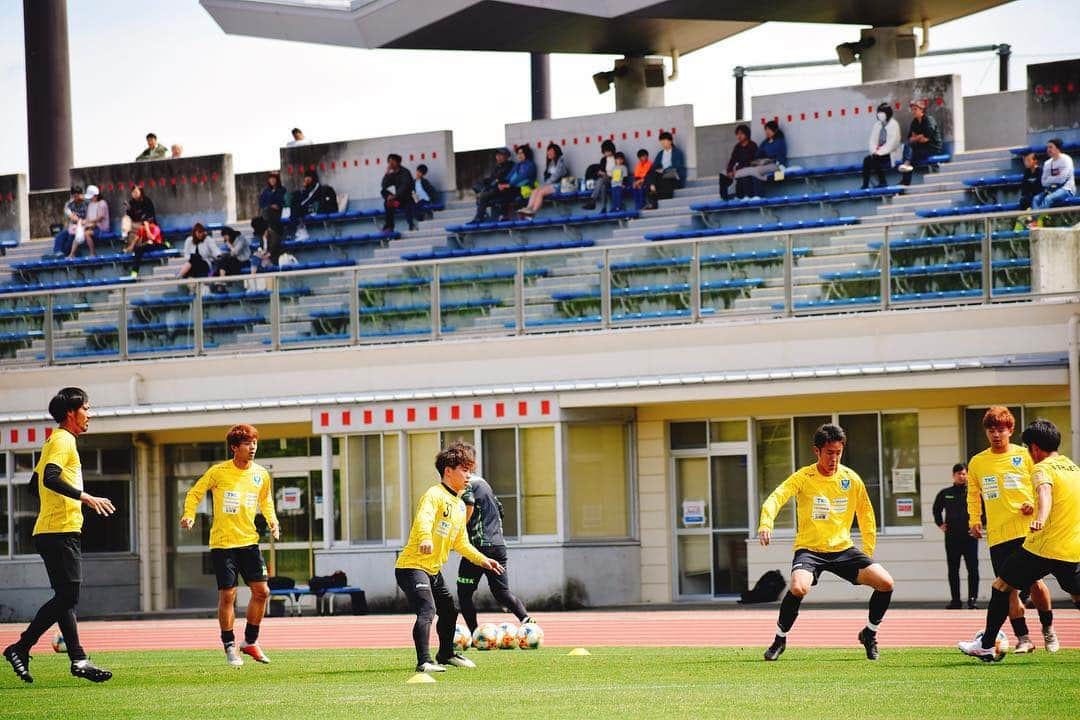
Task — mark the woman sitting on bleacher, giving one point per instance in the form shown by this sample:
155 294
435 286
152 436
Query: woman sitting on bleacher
138 216
554 171
95 222
200 251
771 156
523 175
742 158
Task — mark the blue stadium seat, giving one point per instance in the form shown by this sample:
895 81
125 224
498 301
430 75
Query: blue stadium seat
466 278
981 209
1041 149
781 200
39 310
97 261
1008 179
66 285
362 239
659 290
851 169
706 260
935 269
763 227
958 239
347 215
155 327
541 222
316 265
7 338
440 253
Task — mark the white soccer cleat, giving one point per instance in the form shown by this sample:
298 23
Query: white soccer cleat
1051 639
974 648
459 660
429 667
232 656
1024 646
255 652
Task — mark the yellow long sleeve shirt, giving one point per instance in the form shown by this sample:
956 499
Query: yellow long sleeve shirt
440 519
1003 481
238 496
1060 537
58 513
824 509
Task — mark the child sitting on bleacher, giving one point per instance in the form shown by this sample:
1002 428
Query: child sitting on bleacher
641 177
423 193
620 178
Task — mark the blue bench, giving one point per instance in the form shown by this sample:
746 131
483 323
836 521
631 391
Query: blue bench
618 317
853 168
180 300
152 327
97 261
935 269
983 209
906 297
343 337
467 278
361 239
66 284
1007 179
39 310
110 352
440 253
315 265
360 214
745 229
781 200
659 290
451 306
294 595
705 260
541 222
943 240
7 338
1041 149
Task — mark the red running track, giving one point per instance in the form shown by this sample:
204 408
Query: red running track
719 628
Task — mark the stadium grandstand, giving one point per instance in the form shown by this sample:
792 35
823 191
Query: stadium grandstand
637 373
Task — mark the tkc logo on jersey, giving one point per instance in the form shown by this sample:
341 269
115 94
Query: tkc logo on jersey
845 483
1016 460
256 480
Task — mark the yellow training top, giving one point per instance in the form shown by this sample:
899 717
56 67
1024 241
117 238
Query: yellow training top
440 518
1060 537
824 508
238 496
59 514
1004 481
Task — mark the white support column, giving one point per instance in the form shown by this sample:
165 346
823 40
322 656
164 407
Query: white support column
328 490
891 57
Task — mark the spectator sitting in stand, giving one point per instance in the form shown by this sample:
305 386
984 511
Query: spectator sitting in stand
146 238
641 175
620 180
554 171
74 214
521 177
924 140
668 171
138 216
1031 182
200 252
397 192
884 145
602 177
177 150
771 157
272 198
1058 178
742 159
423 194
313 197
154 150
270 241
96 222
488 187
235 255
297 138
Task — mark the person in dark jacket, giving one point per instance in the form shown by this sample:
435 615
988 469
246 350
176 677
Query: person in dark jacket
924 140
488 187
397 192
139 215
951 515
602 179
668 171
509 191
771 156
424 193
313 197
272 199
1031 183
742 156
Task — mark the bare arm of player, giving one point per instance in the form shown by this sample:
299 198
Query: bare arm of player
1045 493
102 506
864 512
194 497
769 509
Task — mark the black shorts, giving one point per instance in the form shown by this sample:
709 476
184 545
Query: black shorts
470 574
246 561
845 564
62 553
1024 568
1003 551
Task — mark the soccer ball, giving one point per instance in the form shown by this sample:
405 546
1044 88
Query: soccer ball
462 638
486 637
530 636
1001 644
58 644
507 636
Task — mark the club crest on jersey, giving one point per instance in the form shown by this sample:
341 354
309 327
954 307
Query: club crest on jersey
256 480
845 483
1016 460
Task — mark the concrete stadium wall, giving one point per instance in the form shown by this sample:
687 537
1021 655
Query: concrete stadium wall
1055 260
47 208
110 585
580 137
14 209
356 167
995 120
248 187
714 144
831 125
184 191
1053 103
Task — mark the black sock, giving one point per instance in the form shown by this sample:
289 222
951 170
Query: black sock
996 612
1046 617
228 638
1077 604
879 603
789 610
251 634
1019 626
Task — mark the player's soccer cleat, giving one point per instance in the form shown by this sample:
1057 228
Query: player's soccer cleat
89 671
974 648
20 662
429 667
1051 639
254 652
776 649
232 656
458 660
972 605
869 641
1024 645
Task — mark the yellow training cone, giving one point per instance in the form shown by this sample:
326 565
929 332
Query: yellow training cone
577 652
420 678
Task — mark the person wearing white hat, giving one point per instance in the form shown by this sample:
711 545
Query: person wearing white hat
95 222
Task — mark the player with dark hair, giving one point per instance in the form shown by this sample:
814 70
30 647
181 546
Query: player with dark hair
240 489
58 535
439 525
1052 545
1001 480
828 496
483 517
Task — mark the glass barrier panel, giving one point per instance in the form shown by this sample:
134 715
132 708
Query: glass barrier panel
478 296
395 303
563 291
313 308
236 315
651 282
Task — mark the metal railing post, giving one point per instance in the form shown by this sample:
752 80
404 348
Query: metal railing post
275 314
789 262
49 351
354 308
987 263
197 312
695 283
605 290
436 303
519 295
122 333
886 270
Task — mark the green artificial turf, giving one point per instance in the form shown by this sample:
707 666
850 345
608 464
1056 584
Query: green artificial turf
624 683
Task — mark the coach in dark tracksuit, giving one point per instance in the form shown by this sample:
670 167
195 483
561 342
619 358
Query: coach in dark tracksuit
484 515
951 515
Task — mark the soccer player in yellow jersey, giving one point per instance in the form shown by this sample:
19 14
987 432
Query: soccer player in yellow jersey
828 496
1052 544
241 489
1001 477
439 525
57 535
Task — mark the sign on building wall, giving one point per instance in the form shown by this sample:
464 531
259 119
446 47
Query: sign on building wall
435 414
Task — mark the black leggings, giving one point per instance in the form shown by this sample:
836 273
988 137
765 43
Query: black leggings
428 596
469 579
63 562
878 164
967 548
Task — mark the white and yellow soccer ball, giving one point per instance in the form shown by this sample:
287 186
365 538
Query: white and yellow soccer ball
462 638
486 637
507 636
59 644
530 636
1001 644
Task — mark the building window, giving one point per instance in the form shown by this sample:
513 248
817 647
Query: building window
598 480
364 475
975 435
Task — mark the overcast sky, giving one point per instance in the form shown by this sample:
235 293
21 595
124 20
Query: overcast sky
167 67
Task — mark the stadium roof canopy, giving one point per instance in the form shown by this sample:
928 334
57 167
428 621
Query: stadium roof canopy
616 27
